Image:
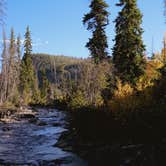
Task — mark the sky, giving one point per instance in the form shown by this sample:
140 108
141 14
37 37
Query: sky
56 25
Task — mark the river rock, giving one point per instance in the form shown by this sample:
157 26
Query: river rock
6 129
1 161
27 116
41 123
56 124
68 148
33 120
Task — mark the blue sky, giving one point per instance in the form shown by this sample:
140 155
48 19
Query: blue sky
57 28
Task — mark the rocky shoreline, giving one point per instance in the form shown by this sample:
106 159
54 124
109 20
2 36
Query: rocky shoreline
140 146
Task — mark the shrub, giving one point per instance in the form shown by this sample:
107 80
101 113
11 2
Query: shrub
78 100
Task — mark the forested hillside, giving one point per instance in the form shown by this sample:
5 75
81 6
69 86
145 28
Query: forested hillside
55 65
78 82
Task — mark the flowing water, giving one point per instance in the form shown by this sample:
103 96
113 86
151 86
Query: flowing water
24 142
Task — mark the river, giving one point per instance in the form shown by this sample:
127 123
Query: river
32 141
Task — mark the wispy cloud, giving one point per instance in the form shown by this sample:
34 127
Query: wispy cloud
37 42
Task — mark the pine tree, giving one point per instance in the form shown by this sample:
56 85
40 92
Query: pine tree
19 49
18 59
128 51
27 73
12 71
97 20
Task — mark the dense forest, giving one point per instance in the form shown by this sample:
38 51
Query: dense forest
120 97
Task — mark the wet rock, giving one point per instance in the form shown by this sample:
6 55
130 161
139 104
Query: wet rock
58 161
33 120
56 124
6 112
62 144
68 148
27 116
34 163
65 144
50 163
67 160
6 129
41 123
61 161
1 161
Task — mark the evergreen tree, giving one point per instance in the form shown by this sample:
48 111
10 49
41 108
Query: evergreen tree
18 59
18 48
128 51
12 50
12 40
27 73
12 72
97 20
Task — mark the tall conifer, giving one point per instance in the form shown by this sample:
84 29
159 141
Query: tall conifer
128 51
18 48
27 75
97 20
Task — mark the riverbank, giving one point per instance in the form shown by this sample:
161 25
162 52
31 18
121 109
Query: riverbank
7 111
101 139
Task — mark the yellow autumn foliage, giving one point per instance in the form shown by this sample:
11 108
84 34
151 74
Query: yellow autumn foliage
127 97
123 98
